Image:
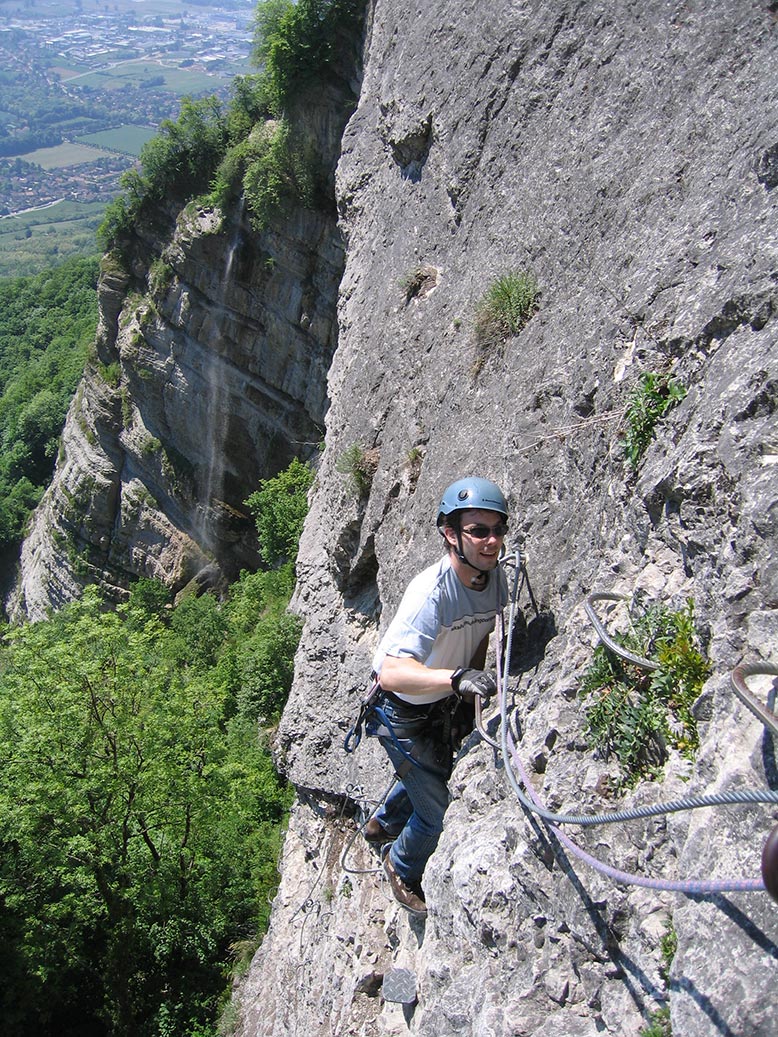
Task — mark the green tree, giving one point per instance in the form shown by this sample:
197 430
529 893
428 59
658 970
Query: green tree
278 169
305 43
268 17
263 639
178 163
47 325
250 104
38 427
183 157
149 598
198 631
137 822
279 508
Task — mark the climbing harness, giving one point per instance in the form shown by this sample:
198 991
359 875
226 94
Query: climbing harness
377 723
373 719
418 719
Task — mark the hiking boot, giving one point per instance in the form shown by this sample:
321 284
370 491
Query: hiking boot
375 833
403 894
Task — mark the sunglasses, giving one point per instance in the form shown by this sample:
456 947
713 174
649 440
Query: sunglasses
482 532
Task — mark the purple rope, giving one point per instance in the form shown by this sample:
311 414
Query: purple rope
625 877
672 885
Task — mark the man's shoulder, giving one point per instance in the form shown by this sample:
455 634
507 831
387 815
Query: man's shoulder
431 577
434 573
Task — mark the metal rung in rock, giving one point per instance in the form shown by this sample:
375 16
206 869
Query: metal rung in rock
400 986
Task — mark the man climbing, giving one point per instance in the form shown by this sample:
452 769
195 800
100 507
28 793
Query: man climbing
431 658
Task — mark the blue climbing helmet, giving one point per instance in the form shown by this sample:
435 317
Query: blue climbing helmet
471 493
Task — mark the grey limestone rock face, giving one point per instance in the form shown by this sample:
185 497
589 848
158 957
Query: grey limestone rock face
210 374
624 154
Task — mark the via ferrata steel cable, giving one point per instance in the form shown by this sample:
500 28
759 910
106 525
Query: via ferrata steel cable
533 803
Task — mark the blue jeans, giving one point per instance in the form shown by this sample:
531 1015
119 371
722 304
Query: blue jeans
416 804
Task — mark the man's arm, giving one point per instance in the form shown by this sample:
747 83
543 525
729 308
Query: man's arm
408 676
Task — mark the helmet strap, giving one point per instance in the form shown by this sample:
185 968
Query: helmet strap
459 551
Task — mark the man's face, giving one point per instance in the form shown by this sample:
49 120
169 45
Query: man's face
483 533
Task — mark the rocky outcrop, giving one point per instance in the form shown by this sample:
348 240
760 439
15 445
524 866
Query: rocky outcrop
625 155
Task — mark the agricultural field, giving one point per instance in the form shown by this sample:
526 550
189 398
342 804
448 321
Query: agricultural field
34 241
142 74
63 155
126 139
83 86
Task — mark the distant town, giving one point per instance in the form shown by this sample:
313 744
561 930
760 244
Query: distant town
80 31
83 85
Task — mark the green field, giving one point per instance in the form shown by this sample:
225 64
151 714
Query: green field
63 155
33 241
178 81
65 71
127 139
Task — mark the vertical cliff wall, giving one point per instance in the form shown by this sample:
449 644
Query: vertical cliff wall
202 385
628 155
209 374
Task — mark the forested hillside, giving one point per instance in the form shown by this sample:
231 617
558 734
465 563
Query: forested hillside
140 811
47 326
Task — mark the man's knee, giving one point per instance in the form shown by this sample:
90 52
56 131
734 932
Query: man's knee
429 826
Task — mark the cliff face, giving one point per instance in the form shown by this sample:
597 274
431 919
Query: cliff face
628 156
210 374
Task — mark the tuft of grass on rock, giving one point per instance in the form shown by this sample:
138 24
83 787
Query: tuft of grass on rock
506 306
652 397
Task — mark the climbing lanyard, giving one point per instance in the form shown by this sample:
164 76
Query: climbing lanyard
354 734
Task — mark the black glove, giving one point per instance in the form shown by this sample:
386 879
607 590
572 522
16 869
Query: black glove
475 682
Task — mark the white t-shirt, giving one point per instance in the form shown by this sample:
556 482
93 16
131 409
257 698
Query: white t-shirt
441 622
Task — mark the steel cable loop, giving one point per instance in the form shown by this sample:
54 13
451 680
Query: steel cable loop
479 723
724 885
360 829
534 805
617 649
738 681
